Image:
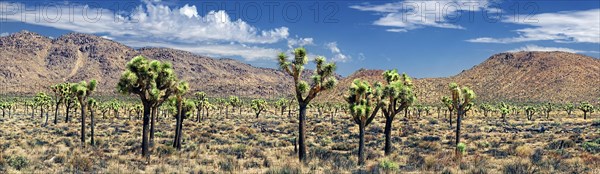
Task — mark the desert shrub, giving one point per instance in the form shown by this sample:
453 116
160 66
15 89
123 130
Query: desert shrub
415 160
478 170
18 162
462 148
591 147
433 121
59 159
536 157
342 162
256 152
521 167
80 163
342 146
239 151
286 169
561 144
228 164
162 150
523 151
388 166
251 164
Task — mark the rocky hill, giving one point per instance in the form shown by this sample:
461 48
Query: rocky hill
516 77
31 63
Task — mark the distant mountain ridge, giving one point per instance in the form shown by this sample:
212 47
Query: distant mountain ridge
32 62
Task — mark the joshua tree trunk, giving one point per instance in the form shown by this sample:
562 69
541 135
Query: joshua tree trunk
46 123
92 126
504 117
450 116
146 124
83 124
458 119
198 113
177 140
361 143
67 113
56 113
301 123
585 115
152 124
388 136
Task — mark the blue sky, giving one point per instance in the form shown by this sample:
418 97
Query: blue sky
421 38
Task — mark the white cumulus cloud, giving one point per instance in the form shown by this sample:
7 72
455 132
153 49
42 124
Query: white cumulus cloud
413 14
563 27
338 56
547 49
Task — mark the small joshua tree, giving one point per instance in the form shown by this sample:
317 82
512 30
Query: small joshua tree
504 110
82 91
448 103
42 100
569 107
200 98
258 105
235 102
548 107
323 79
61 93
282 104
462 100
364 105
586 107
529 112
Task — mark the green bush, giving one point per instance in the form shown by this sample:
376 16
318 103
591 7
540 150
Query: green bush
286 169
388 165
18 162
591 147
462 148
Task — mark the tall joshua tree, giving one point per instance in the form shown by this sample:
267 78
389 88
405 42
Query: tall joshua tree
397 95
180 90
323 79
42 100
462 100
364 105
586 107
82 91
199 97
153 82
258 105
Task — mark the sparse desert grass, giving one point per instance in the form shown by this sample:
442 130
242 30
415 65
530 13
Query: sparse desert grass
266 145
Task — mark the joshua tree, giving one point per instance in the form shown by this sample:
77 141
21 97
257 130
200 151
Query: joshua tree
529 112
364 104
569 108
504 110
61 92
43 101
92 105
462 100
82 91
258 105
586 107
282 104
448 103
322 80
153 82
200 98
397 95
180 90
235 102
486 108
70 102
115 105
548 107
